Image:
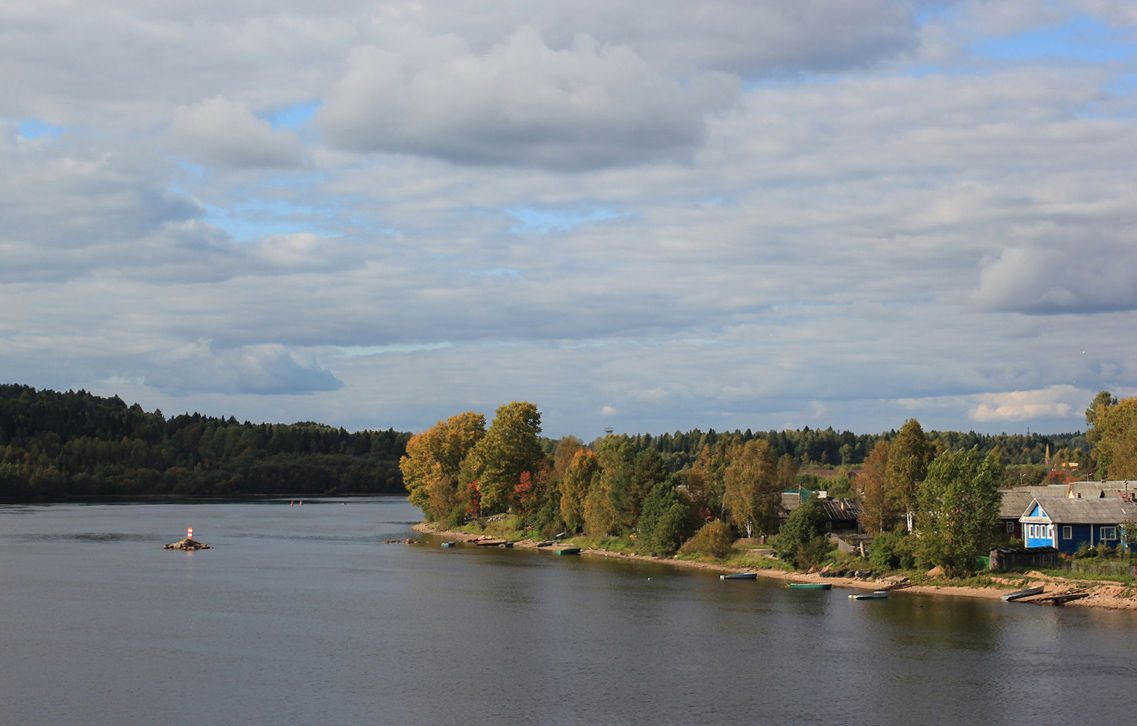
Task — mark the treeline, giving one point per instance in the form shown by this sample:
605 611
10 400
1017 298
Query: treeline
829 448
76 444
700 490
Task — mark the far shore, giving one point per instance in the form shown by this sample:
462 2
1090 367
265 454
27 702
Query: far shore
1103 595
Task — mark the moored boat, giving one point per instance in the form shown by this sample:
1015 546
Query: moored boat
876 595
569 551
447 544
1019 594
739 576
810 586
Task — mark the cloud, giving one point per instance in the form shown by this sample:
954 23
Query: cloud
1061 401
252 369
522 103
222 133
1085 279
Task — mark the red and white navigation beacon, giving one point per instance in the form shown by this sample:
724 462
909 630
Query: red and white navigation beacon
189 533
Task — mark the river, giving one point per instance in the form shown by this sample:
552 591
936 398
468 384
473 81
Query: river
302 615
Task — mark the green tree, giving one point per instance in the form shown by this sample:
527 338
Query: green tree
798 540
663 524
908 459
751 492
510 447
958 509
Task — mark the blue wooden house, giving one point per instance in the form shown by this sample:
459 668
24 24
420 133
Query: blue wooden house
1067 523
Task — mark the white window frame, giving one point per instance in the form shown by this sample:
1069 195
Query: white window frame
1108 533
1067 531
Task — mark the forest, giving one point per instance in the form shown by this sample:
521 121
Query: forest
75 444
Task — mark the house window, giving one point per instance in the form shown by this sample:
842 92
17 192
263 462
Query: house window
1067 532
1109 533
1010 527
1050 531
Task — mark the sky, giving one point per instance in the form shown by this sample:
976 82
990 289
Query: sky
648 216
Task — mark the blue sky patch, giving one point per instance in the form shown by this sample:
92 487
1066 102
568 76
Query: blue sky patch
33 128
292 117
1083 39
536 220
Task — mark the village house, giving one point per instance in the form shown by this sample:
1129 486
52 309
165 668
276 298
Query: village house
1067 523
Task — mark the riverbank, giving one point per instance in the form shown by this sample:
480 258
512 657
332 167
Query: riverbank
1103 595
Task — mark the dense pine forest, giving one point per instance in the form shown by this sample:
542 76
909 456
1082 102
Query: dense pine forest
76 444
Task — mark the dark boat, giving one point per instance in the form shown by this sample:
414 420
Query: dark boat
739 576
569 551
447 544
810 585
877 595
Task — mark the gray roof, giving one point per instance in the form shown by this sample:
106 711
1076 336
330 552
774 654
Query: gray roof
1015 499
1084 511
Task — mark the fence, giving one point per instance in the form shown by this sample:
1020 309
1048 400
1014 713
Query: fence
1104 568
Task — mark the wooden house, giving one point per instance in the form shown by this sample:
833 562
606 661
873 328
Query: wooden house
1067 523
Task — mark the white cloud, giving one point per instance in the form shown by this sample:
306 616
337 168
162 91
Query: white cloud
522 103
1062 401
219 132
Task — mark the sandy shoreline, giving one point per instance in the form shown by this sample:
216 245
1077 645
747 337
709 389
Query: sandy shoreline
1109 596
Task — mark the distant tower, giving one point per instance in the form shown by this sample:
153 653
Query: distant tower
608 430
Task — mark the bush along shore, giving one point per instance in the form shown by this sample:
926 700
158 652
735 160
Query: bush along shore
848 571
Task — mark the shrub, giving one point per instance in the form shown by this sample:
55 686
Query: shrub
714 539
804 523
812 552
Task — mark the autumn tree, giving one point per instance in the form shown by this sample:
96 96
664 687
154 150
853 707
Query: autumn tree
1114 438
577 481
958 509
876 512
787 472
509 447
434 459
752 494
908 459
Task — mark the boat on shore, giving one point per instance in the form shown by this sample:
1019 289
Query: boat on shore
810 585
568 551
876 595
1019 594
447 544
739 576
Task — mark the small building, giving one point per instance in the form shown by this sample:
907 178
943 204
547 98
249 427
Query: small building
1068 523
1023 558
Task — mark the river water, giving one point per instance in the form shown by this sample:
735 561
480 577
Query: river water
302 615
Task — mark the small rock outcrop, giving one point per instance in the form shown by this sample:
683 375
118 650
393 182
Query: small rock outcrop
187 544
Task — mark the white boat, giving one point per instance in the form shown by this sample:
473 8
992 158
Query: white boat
876 595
